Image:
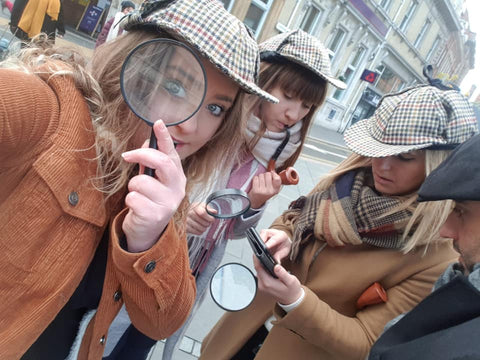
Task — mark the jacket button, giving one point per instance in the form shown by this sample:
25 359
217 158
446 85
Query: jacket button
102 340
73 198
117 296
150 266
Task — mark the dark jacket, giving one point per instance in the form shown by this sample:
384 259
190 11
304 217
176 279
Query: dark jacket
102 37
443 326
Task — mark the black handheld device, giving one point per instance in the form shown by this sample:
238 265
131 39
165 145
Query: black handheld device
260 250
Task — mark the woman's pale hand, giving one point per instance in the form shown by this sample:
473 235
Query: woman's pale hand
285 290
264 186
277 242
153 201
198 220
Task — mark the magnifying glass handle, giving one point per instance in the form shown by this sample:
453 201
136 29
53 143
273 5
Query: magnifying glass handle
152 145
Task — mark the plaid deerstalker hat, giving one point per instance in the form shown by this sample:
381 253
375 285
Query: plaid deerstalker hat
207 27
416 118
457 178
303 49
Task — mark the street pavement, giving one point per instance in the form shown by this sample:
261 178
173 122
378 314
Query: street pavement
323 150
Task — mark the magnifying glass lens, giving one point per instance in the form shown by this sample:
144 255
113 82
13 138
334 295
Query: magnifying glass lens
163 80
227 203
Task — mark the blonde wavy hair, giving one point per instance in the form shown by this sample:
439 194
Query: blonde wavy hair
301 83
427 217
114 124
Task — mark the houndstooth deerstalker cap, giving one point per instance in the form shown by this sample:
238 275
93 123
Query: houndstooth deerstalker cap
416 118
303 49
207 27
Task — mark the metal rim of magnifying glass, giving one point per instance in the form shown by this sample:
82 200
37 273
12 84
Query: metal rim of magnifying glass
173 42
221 193
254 294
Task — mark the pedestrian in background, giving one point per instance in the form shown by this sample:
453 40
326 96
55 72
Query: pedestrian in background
31 17
359 226
111 29
7 4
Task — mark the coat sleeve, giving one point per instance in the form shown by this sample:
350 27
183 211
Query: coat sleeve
245 221
29 114
351 337
157 285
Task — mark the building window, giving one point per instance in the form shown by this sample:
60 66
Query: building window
310 19
421 34
335 42
385 4
256 14
387 80
408 16
227 4
351 70
331 114
433 49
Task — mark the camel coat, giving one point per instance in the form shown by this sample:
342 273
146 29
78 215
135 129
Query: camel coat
52 219
327 325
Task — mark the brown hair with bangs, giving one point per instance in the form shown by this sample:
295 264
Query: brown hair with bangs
299 81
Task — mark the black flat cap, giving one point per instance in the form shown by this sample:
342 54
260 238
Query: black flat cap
458 177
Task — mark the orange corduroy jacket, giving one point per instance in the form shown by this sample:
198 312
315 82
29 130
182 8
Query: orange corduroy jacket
52 219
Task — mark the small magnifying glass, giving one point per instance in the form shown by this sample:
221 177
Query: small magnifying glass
163 79
227 203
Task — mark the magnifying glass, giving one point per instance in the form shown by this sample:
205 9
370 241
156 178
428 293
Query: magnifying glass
227 203
289 176
163 79
233 287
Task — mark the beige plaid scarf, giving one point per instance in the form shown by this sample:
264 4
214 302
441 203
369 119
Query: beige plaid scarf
350 211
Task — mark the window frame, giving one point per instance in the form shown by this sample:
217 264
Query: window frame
408 15
340 94
421 35
315 21
265 7
333 53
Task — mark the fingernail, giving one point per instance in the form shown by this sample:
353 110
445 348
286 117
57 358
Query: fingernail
126 154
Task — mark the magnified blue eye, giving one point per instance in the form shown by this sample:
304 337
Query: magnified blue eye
175 88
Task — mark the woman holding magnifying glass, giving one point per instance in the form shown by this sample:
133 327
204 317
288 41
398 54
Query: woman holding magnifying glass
72 158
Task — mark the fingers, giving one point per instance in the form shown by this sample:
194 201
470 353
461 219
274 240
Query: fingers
165 142
277 242
198 220
166 169
155 190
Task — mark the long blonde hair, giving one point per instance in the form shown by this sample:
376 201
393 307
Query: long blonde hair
427 217
114 124
302 84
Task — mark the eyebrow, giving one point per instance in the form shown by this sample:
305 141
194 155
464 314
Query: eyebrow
224 98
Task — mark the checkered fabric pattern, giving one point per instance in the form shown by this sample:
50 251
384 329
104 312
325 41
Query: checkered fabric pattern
416 118
304 49
209 28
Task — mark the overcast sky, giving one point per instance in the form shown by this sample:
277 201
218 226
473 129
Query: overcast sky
473 76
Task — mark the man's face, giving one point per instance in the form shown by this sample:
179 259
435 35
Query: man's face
463 226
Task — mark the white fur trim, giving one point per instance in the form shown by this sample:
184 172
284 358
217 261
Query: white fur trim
81 331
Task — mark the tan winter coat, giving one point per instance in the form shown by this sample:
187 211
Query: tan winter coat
327 325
